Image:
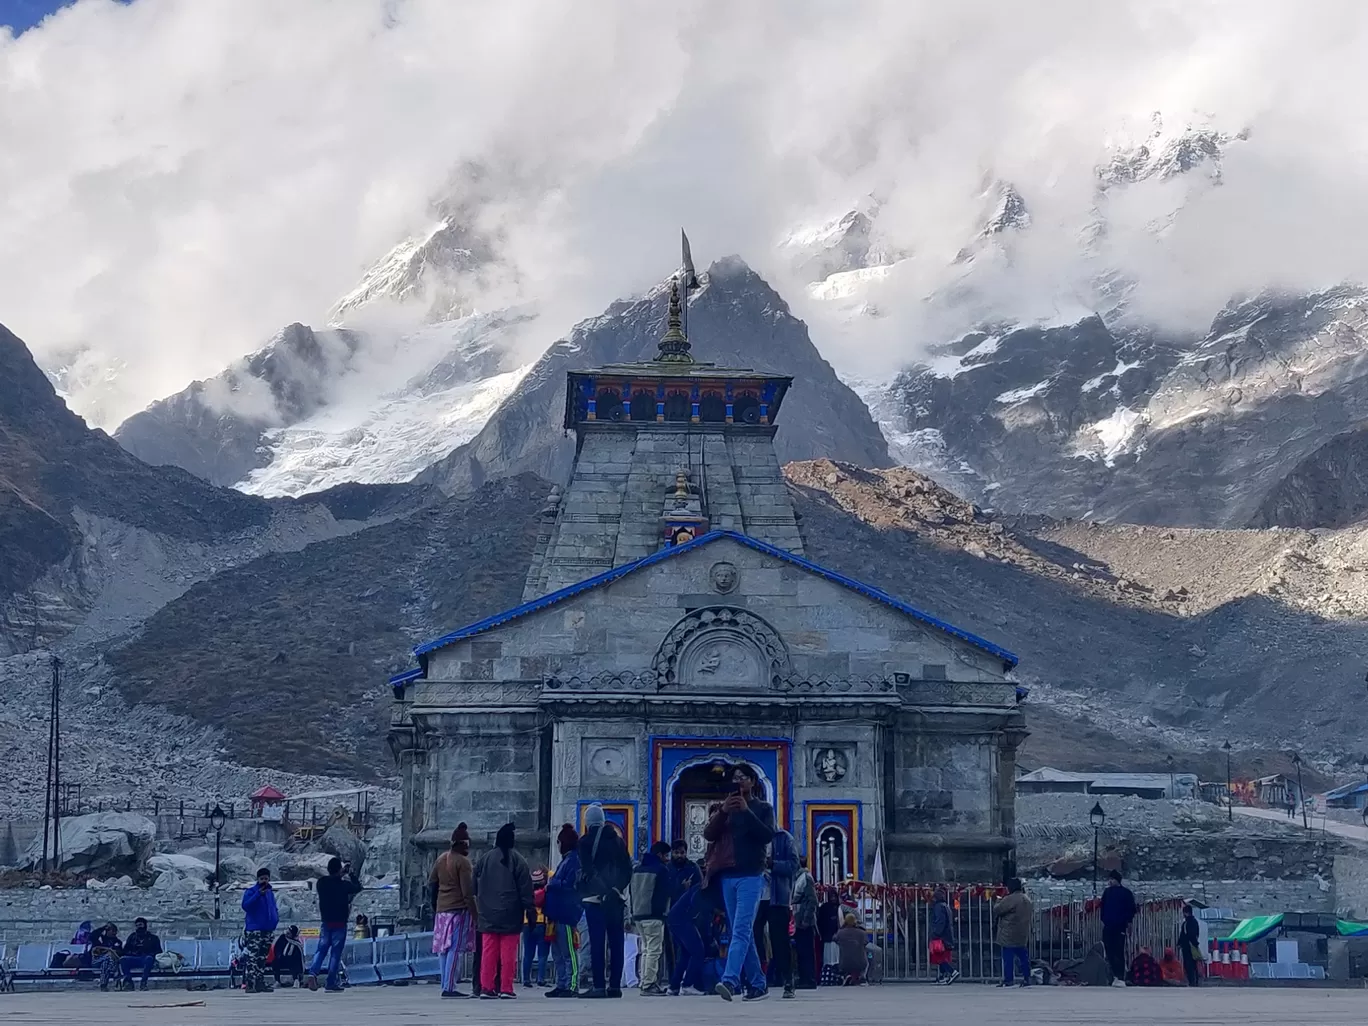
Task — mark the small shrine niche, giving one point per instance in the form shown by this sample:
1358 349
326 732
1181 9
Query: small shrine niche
683 518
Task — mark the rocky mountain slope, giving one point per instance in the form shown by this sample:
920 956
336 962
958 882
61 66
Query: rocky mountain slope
1158 637
735 320
1256 423
216 429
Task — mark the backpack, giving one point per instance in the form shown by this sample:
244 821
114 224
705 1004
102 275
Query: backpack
172 961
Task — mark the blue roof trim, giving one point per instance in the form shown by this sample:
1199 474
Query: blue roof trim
609 576
400 679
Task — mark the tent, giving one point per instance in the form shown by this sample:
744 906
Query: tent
1348 929
1254 929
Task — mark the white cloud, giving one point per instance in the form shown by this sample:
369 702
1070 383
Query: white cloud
179 180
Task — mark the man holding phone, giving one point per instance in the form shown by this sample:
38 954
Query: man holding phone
740 830
261 919
335 893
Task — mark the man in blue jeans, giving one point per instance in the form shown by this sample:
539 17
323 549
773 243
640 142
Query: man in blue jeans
335 893
738 833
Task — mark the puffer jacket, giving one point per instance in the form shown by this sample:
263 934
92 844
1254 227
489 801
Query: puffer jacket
1013 917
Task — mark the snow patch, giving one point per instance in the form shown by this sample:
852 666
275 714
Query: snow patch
1111 437
1020 395
1092 384
846 284
388 443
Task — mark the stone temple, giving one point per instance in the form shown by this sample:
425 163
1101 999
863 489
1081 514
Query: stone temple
670 627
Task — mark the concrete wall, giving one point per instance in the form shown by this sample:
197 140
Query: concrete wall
30 914
1245 897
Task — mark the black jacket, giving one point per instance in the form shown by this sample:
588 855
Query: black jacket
143 944
335 894
605 866
1118 907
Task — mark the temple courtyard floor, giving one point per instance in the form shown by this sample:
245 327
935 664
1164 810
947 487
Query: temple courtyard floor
899 1004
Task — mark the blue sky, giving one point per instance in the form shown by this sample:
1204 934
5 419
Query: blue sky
22 15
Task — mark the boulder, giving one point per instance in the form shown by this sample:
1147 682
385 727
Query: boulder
292 865
382 854
180 872
104 843
340 841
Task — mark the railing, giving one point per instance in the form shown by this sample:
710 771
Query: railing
898 918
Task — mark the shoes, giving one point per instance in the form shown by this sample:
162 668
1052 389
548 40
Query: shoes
104 987
143 985
333 990
311 983
488 995
673 992
723 991
264 988
454 994
1024 983
596 992
1118 983
755 994
654 990
560 992
613 992
954 975
507 995
788 993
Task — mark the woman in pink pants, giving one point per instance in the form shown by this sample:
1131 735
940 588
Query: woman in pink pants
503 896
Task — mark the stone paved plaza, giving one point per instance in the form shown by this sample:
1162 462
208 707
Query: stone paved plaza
899 1004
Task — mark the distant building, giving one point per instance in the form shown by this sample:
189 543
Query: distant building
1048 780
1350 796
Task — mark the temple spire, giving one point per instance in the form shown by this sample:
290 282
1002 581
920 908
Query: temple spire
674 344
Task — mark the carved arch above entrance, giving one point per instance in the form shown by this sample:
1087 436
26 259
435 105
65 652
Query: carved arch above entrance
722 648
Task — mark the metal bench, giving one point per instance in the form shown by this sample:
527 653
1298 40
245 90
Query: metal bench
31 962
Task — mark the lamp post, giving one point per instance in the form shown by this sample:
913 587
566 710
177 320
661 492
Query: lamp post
1168 759
1230 796
1301 795
1096 817
216 820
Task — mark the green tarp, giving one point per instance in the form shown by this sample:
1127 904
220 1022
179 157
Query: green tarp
1255 929
1348 929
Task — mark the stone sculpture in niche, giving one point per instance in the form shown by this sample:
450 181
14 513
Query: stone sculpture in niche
722 646
723 577
831 764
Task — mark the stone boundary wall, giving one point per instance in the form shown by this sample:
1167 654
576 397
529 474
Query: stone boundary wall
35 914
1245 897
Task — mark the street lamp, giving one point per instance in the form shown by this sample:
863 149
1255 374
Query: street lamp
1096 817
1301 795
1230 796
1169 760
216 820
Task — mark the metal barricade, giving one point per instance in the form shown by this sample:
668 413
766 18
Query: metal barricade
898 918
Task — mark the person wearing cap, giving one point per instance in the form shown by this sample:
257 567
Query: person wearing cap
451 890
535 945
503 895
140 952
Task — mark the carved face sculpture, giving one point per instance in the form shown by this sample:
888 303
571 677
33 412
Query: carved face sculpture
723 577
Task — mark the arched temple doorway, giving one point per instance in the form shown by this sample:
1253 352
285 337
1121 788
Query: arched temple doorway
832 856
698 788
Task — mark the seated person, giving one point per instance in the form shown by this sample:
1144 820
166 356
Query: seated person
140 951
105 951
853 943
287 958
1089 971
1172 969
1144 971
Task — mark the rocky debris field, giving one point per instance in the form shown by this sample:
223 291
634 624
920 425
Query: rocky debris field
119 752
1165 639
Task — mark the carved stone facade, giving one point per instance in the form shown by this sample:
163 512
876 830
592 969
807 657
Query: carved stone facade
636 688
